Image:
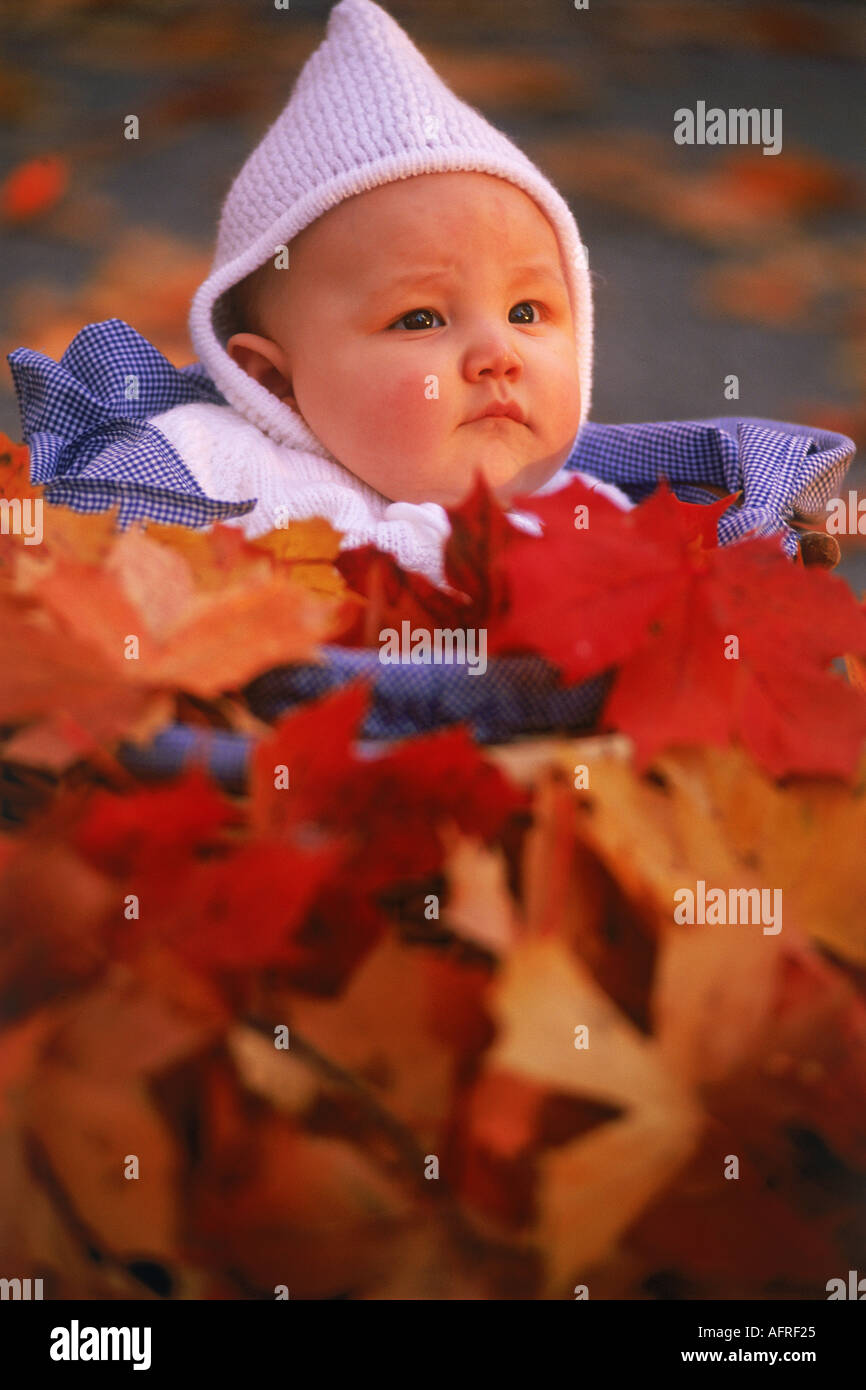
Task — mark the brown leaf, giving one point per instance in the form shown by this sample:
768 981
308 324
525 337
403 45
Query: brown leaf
713 990
202 642
542 996
89 1129
479 908
310 1213
391 1049
128 1027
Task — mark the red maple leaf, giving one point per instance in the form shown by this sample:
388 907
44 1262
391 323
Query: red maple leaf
476 589
220 904
156 826
394 595
340 930
401 798
311 783
244 911
480 535
712 644
314 745
390 805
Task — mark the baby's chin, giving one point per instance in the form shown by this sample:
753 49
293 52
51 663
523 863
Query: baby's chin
514 482
505 475
448 480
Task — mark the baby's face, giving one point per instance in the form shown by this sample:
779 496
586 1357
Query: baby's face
404 313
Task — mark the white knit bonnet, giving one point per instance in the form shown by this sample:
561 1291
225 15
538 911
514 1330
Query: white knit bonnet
366 109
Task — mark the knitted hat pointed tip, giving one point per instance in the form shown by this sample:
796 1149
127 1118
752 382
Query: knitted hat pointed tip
366 109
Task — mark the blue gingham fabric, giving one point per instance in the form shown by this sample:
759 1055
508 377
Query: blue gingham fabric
514 695
781 469
85 417
179 746
85 420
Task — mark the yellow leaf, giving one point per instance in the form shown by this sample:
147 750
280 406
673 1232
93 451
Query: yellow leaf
592 1189
480 907
314 539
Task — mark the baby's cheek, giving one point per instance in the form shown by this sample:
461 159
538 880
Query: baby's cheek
561 396
409 407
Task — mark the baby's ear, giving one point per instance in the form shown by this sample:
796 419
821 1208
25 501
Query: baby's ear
263 360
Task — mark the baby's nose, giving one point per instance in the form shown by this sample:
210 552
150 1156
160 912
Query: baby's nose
495 358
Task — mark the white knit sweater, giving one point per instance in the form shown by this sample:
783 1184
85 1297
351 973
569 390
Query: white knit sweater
233 460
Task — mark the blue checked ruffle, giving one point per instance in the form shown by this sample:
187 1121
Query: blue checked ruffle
781 469
85 417
85 420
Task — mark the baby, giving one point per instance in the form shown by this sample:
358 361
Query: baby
399 300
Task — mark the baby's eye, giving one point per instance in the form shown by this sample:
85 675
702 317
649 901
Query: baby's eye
414 318
417 314
523 305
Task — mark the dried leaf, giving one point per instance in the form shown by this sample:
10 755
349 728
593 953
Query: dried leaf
480 907
32 189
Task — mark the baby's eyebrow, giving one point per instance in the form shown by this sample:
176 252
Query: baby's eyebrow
433 274
540 272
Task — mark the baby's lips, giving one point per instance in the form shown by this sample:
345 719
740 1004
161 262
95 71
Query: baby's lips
494 419
499 410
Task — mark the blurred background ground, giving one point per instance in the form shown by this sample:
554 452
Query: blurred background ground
706 261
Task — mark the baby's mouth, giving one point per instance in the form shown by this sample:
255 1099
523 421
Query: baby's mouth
499 410
494 420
